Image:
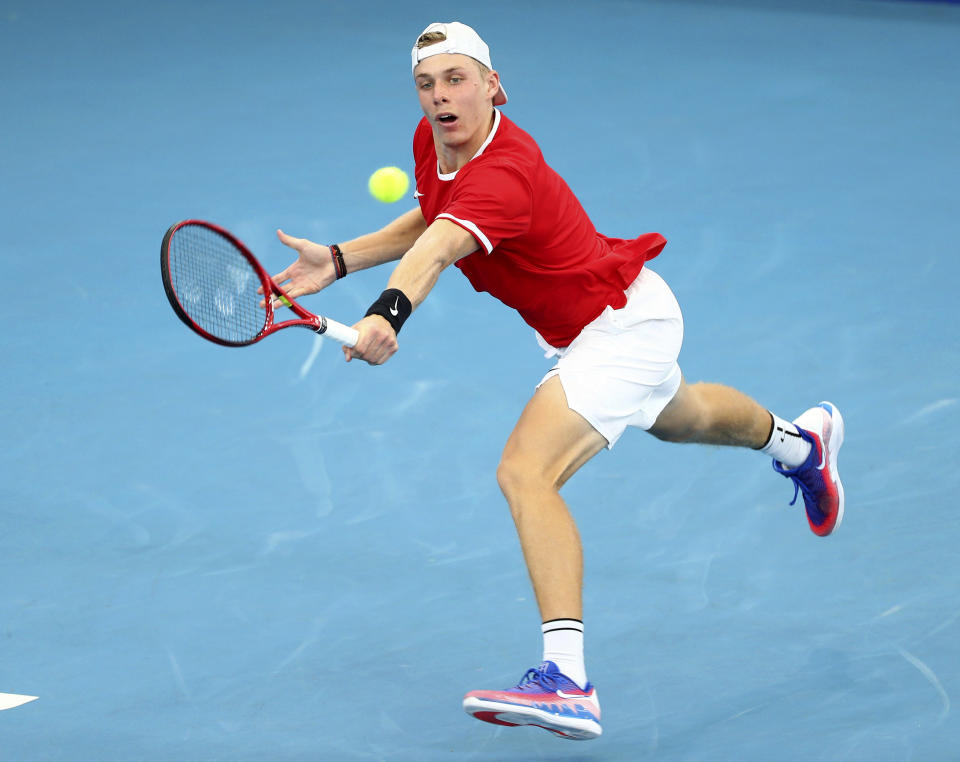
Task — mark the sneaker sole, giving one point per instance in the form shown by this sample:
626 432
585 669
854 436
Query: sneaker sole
834 445
572 728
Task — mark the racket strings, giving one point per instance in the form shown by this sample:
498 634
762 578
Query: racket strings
215 284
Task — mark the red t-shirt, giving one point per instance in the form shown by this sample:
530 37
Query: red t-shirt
538 251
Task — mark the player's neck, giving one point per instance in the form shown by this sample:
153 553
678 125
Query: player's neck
454 157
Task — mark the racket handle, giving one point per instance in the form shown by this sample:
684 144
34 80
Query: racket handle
338 331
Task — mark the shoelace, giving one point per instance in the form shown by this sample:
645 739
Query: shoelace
536 676
798 487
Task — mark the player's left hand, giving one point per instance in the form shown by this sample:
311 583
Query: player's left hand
377 342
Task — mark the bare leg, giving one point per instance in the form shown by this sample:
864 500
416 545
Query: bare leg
550 442
547 446
713 414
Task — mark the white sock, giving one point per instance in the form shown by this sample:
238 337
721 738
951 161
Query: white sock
786 444
563 645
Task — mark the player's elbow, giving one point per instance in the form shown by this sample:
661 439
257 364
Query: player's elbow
451 242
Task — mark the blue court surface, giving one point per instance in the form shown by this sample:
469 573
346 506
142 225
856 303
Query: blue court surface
268 554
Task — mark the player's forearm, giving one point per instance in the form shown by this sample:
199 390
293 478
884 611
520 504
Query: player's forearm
442 244
385 245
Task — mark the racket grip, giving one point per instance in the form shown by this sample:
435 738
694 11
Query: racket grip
338 332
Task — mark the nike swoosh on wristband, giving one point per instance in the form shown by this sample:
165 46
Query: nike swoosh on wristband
393 310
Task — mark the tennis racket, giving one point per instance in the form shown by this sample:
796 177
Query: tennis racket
211 280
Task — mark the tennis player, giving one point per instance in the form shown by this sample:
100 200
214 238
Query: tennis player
490 204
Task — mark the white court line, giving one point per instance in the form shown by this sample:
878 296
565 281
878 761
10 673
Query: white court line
928 673
314 351
928 409
10 700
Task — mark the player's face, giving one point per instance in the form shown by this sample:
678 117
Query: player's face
456 98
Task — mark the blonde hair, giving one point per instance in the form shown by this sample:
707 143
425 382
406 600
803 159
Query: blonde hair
427 39
430 38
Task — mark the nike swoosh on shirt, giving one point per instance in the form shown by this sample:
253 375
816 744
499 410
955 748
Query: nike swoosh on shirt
417 194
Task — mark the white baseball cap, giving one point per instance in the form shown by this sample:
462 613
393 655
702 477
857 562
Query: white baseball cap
461 39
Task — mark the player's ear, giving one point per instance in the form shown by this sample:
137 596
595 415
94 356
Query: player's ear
493 83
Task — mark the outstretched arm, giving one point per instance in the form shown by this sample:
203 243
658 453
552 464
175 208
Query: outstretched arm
313 269
442 244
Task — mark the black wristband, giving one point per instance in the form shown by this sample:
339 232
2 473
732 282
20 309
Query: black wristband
339 267
393 306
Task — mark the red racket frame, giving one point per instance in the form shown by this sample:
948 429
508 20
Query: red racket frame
305 318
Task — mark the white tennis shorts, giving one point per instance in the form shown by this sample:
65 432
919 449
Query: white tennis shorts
622 369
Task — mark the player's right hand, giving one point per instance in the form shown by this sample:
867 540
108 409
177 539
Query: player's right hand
377 342
312 271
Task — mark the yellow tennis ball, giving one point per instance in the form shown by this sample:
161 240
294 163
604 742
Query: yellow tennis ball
388 184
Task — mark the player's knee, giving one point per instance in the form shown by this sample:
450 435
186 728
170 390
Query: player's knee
515 474
509 475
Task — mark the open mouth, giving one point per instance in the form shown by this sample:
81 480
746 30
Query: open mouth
446 118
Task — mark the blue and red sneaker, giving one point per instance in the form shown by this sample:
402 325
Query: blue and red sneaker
545 698
817 477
